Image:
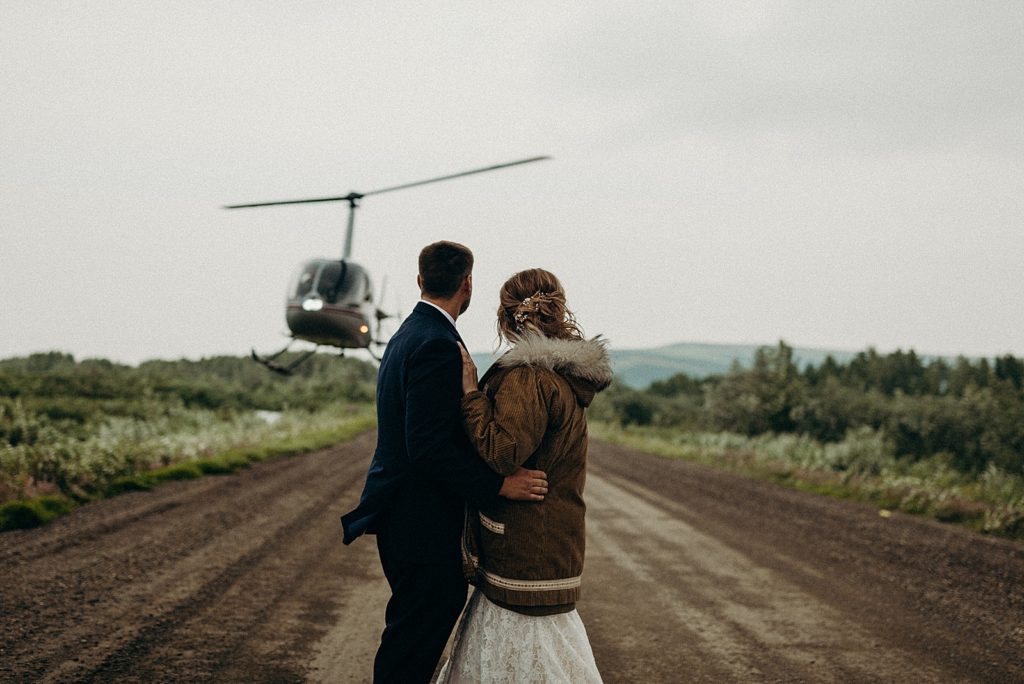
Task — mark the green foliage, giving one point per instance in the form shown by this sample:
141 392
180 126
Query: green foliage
765 398
55 386
101 474
863 466
180 471
239 383
973 411
32 513
78 430
677 385
635 411
922 436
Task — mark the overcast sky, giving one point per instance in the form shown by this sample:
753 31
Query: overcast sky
833 174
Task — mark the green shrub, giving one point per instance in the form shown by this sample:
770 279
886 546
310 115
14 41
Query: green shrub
218 466
181 471
32 512
129 483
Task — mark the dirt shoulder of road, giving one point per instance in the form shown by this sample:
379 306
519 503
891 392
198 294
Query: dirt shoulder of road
690 572
225 578
949 595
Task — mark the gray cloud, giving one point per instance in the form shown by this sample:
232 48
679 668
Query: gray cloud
836 174
871 76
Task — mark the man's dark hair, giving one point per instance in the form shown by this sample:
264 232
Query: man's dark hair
443 265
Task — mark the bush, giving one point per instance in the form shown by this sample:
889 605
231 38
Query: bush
181 471
34 512
964 409
863 451
636 411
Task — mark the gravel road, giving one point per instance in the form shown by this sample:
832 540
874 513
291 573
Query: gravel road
692 576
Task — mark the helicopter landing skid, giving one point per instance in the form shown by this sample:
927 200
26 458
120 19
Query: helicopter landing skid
268 361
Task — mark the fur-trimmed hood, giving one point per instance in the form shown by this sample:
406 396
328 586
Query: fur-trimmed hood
584 363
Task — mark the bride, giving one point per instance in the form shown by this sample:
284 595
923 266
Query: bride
526 559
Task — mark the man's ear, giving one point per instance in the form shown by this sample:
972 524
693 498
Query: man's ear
419 281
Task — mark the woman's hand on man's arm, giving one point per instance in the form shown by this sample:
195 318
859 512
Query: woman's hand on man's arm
469 378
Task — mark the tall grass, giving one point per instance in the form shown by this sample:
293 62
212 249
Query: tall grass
48 475
863 466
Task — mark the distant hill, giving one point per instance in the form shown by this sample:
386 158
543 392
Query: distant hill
638 368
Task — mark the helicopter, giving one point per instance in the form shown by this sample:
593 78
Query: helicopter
330 301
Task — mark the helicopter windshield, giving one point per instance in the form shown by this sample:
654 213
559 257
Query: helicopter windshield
302 284
343 283
337 282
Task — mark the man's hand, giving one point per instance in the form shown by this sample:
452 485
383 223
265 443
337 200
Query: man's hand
525 485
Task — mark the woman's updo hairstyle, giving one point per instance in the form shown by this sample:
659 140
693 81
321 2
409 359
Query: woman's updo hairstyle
534 301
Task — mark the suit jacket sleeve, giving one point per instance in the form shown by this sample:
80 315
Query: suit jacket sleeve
433 428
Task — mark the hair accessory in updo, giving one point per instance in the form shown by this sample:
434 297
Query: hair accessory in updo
543 313
529 305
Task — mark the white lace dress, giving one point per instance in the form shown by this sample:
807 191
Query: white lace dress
494 645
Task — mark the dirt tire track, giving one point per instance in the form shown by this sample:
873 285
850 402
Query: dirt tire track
692 575
138 600
892 599
203 598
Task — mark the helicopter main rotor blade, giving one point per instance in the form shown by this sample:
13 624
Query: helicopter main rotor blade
454 175
352 197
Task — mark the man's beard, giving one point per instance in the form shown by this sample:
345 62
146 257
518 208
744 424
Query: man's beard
465 305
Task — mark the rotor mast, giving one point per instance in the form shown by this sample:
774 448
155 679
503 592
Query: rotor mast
353 202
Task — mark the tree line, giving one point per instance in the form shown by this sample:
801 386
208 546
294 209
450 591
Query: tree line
71 431
969 412
52 391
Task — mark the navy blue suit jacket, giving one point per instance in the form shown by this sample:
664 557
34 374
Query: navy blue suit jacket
424 468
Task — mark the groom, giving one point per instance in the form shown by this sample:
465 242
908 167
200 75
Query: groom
424 471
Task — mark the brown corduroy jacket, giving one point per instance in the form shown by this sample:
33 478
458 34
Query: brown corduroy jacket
531 411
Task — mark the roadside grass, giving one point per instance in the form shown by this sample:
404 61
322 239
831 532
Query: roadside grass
296 435
863 467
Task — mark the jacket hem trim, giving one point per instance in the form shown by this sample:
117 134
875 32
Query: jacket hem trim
492 525
532 585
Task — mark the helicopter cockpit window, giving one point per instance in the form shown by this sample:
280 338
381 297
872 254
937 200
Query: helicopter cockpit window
341 283
330 285
304 279
354 286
